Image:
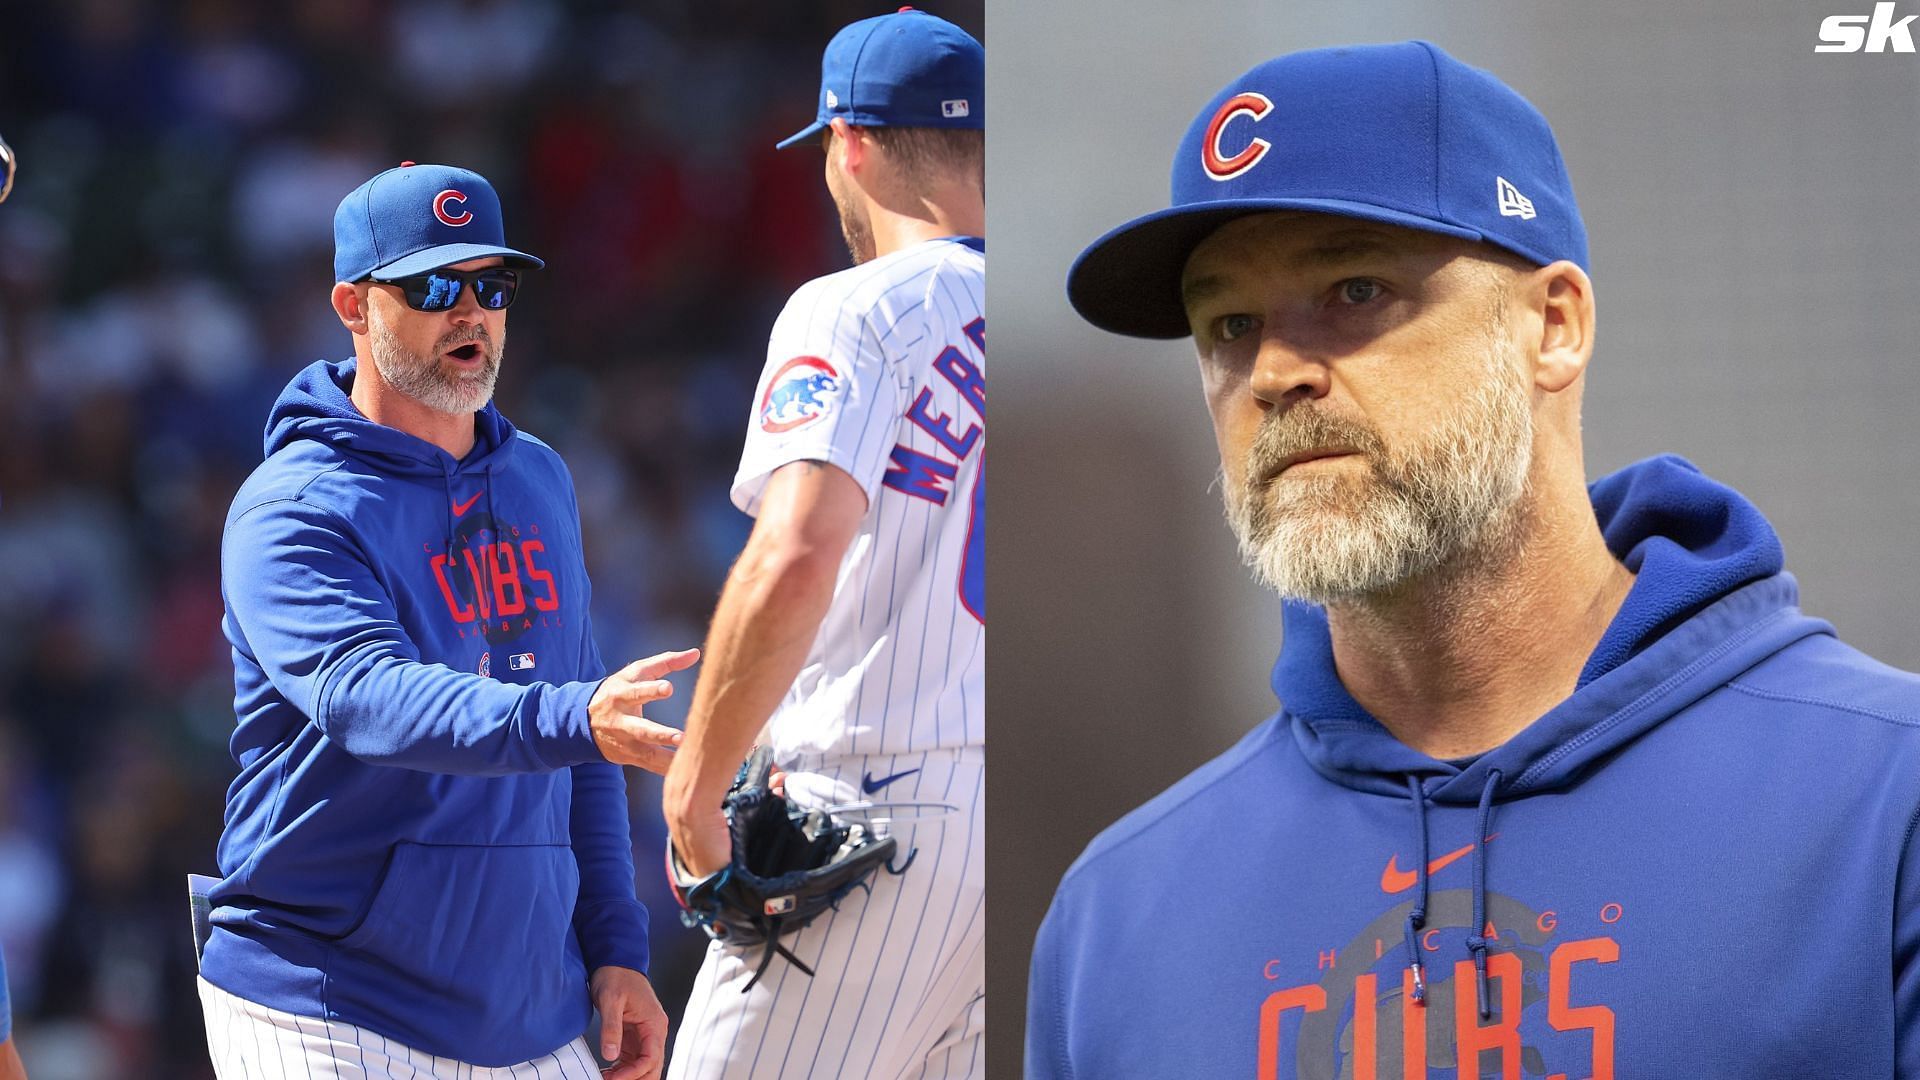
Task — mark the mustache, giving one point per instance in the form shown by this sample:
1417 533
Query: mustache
457 338
1303 429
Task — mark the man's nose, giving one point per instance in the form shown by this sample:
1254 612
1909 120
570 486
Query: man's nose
1284 372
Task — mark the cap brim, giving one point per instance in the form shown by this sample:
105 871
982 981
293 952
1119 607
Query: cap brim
1128 281
434 258
802 135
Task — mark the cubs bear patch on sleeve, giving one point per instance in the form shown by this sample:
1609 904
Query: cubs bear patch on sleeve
826 393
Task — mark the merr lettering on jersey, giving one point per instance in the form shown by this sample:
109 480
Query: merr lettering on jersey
924 475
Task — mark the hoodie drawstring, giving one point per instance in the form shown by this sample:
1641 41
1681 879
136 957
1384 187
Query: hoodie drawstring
1475 941
493 523
446 478
1417 918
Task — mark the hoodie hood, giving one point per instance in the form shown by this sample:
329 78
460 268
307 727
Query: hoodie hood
318 405
1710 598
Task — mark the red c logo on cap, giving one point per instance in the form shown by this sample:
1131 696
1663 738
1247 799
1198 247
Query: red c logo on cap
1220 167
440 202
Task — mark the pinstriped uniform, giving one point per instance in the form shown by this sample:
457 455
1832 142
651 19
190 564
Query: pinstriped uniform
879 370
899 989
252 1042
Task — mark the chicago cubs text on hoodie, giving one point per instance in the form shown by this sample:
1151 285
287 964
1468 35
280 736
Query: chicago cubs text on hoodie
423 839
1701 864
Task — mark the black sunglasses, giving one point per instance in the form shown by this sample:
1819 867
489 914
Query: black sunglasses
439 290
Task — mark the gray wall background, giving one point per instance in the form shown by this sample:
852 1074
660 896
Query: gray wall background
1753 214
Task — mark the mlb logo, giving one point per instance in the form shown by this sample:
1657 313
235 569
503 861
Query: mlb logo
955 108
803 390
520 662
780 905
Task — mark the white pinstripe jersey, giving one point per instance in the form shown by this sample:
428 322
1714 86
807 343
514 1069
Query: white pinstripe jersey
881 370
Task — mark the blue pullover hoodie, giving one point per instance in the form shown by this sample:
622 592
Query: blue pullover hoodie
1701 864
423 839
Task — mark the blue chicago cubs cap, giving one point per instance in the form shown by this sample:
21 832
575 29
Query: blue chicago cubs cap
1402 134
416 218
907 69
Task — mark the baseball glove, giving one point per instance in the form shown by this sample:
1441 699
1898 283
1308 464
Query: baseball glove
789 866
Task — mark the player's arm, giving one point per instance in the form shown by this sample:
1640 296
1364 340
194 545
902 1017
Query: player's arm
608 919
611 925
323 626
769 612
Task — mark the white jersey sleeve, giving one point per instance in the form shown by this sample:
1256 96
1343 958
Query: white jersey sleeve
827 393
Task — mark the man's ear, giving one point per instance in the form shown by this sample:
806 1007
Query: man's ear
350 304
1563 295
851 144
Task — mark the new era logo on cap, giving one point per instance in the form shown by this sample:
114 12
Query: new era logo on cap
1512 203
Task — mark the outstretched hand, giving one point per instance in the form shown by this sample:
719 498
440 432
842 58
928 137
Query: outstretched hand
623 735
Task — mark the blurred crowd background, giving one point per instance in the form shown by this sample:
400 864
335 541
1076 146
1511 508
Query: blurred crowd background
164 269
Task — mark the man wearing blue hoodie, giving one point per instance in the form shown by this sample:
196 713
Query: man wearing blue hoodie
1563 783
426 860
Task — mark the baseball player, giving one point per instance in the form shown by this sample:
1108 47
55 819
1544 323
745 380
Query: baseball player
853 627
1563 784
426 868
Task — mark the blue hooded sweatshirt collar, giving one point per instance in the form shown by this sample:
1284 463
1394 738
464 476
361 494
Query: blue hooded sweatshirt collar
1709 599
318 405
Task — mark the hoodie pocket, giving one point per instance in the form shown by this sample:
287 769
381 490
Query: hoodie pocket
483 934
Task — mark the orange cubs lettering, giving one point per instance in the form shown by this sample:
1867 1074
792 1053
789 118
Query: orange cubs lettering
1596 1018
1503 977
550 601
1305 998
462 613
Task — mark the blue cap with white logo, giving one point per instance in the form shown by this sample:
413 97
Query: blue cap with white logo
907 69
1402 134
415 218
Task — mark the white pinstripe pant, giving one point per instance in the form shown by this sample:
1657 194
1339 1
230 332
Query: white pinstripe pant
900 986
253 1042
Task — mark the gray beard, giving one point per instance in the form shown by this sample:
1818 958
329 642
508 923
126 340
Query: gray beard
428 380
1333 538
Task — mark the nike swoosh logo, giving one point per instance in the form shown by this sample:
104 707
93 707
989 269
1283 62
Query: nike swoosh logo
1393 879
869 785
461 508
